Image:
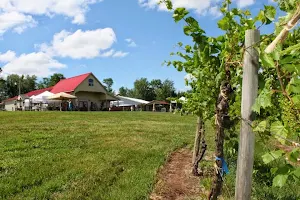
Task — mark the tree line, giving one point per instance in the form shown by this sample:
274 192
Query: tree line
10 86
155 89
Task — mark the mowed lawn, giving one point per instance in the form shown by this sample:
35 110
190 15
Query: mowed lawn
77 155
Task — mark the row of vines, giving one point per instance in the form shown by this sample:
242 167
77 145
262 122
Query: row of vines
216 67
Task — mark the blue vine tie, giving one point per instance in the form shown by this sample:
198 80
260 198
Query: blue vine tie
224 166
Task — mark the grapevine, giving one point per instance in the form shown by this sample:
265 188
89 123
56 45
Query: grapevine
215 62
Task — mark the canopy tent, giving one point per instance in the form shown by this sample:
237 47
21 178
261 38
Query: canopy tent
128 101
41 98
181 99
62 96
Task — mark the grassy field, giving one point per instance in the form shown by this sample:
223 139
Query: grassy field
103 155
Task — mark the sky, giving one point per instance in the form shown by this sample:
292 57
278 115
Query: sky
119 39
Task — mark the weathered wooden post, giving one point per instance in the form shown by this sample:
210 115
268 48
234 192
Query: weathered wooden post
249 94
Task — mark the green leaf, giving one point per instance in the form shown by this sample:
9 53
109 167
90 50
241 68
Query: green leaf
262 101
179 14
290 68
193 24
187 30
291 49
294 155
247 12
188 48
296 172
280 131
294 86
169 4
261 16
267 60
274 170
261 127
276 53
285 169
270 13
280 180
273 155
295 89
296 99
286 60
224 23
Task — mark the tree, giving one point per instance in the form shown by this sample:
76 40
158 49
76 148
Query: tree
123 91
166 90
143 90
28 83
44 83
3 90
48 82
55 78
14 81
108 84
156 84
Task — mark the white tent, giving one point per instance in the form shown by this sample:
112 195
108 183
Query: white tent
128 101
41 98
181 99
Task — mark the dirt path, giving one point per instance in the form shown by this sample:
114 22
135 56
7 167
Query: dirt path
175 180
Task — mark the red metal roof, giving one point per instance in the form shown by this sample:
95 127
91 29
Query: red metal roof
37 92
69 84
29 94
11 99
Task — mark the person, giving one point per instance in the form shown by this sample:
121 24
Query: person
70 105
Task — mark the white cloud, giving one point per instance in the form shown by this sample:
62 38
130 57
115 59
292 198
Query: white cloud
189 77
120 54
37 63
16 21
74 9
108 53
8 56
130 42
202 7
215 11
244 3
80 44
199 6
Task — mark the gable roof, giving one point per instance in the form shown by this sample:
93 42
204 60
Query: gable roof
69 84
29 94
37 92
141 101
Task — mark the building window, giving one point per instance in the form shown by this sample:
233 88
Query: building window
91 82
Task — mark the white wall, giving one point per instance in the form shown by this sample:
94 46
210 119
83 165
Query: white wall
10 106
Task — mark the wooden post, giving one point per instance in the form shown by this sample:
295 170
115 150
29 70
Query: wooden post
197 140
249 94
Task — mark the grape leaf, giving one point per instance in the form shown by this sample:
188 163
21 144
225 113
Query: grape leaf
280 131
273 155
280 180
261 127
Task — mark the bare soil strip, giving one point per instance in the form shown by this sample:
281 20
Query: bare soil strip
175 180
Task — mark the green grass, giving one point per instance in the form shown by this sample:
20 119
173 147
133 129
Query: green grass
103 155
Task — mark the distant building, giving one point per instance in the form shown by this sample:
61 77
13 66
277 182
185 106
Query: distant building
91 94
160 106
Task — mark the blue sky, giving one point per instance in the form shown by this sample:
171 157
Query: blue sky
124 40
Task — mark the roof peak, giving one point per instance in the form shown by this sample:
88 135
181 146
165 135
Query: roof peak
78 75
